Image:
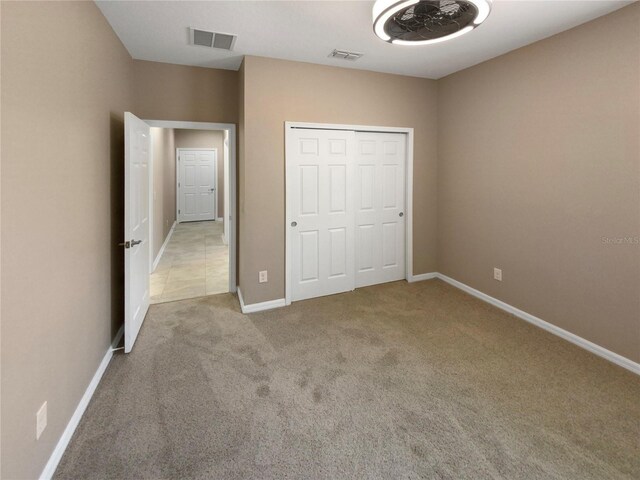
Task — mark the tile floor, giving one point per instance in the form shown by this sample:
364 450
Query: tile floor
195 263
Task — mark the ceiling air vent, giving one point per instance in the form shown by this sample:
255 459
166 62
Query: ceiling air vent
204 38
344 55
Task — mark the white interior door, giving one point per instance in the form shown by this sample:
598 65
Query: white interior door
196 185
321 222
136 225
379 207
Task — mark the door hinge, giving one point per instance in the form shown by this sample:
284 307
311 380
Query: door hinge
178 211
178 183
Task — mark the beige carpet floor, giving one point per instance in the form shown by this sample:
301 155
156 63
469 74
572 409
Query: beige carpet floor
397 381
195 263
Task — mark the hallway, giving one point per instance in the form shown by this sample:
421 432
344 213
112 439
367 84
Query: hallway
195 263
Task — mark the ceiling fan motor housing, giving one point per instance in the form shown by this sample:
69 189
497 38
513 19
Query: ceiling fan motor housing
422 22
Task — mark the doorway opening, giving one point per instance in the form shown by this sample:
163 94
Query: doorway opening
191 205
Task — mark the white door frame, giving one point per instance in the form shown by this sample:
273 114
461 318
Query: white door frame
151 204
225 159
231 208
215 178
288 126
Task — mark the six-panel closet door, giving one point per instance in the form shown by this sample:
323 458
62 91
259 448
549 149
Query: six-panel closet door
345 210
379 207
320 169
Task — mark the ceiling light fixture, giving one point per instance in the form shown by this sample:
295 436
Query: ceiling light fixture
423 22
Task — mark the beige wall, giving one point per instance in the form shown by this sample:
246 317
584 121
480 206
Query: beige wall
539 159
276 91
62 164
192 94
186 138
164 185
66 81
169 186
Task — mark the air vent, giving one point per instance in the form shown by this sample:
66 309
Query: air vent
203 38
344 55
222 40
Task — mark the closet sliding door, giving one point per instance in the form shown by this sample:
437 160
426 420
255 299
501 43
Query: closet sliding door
379 207
321 222
345 210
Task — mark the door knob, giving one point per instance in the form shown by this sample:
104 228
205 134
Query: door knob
401 214
124 244
294 224
212 189
135 242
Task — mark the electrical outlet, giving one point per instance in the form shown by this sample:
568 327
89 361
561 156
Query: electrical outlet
497 274
41 420
262 276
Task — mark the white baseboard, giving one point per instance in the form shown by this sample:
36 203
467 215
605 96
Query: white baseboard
422 276
259 307
538 322
164 245
219 219
65 438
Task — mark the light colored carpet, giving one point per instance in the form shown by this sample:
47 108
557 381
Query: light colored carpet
397 381
194 263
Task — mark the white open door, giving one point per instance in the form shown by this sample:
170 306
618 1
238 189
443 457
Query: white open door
137 137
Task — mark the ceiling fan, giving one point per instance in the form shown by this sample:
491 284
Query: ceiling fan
423 22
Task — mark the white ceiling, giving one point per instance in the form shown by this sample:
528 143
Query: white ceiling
308 31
